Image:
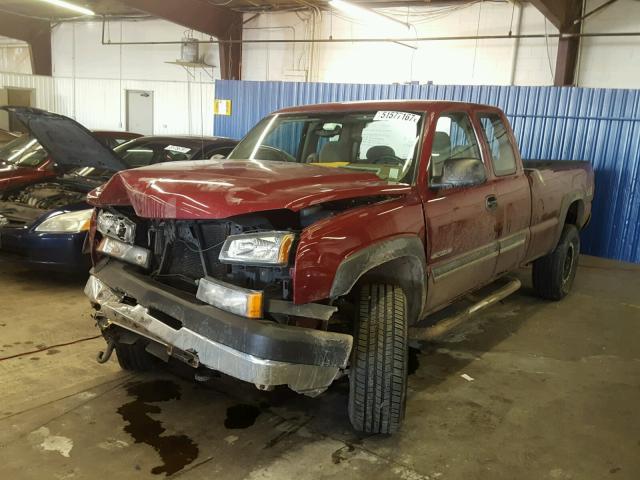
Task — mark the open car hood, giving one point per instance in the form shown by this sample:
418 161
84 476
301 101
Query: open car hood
214 190
69 143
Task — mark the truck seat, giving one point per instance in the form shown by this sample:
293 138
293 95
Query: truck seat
440 151
378 152
334 152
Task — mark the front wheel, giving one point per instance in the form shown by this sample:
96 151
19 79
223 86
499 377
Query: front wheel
553 274
378 373
134 357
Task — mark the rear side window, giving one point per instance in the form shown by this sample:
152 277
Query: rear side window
495 133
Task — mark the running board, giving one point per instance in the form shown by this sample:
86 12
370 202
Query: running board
450 322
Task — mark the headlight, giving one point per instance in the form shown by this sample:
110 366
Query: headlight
230 298
116 226
72 222
264 248
129 253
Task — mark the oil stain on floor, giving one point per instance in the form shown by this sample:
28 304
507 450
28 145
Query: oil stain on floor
176 451
241 416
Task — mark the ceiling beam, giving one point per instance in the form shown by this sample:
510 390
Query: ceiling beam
563 15
554 10
219 22
37 33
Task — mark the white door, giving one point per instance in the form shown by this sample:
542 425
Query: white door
140 112
4 116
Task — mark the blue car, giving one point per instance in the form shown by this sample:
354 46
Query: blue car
45 223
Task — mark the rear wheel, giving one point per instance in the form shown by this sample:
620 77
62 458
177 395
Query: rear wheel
553 274
378 372
134 357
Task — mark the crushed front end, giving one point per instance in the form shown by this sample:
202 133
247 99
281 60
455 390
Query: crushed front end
215 294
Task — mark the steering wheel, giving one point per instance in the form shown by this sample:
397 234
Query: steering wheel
267 152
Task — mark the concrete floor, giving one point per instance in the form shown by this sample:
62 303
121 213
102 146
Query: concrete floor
554 394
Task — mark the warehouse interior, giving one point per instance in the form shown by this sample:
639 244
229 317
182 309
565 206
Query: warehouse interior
129 129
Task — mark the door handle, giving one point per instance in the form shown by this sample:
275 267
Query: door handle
491 202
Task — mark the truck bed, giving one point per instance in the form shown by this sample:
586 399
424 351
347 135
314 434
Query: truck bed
556 185
556 165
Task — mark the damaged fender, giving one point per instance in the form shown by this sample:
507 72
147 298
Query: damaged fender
408 250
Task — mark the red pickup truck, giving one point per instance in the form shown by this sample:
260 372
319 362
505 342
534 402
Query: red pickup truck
320 245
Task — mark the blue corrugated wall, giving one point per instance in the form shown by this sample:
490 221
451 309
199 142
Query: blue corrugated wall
599 125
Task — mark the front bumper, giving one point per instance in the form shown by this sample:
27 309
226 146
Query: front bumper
55 251
260 352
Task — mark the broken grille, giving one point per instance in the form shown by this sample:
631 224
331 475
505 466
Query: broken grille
189 250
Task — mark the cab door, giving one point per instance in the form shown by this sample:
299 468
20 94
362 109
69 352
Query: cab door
461 220
512 190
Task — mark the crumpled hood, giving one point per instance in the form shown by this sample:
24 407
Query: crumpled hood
214 190
68 142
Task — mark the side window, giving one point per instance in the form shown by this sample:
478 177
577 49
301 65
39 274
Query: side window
454 139
495 133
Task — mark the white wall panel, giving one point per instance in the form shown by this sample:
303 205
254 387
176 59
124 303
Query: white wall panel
78 50
14 56
97 103
615 61
604 62
447 62
100 103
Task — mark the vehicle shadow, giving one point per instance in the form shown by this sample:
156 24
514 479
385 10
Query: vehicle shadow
430 364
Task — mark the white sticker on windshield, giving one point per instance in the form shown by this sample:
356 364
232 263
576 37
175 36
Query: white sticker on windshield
175 148
402 116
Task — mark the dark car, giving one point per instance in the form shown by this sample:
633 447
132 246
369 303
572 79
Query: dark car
23 160
114 138
45 223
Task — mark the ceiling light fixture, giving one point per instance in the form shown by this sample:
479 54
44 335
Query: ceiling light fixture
363 13
70 6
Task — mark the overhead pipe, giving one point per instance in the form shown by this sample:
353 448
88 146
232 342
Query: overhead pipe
382 39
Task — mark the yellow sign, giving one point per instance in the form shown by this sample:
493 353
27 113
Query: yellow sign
222 107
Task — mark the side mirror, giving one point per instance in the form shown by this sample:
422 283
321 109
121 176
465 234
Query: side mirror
460 172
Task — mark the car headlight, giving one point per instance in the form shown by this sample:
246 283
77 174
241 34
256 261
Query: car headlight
129 253
72 222
230 298
116 226
264 248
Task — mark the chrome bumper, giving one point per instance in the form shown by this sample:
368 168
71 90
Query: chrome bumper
195 349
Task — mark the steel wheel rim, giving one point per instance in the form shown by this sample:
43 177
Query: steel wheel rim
568 263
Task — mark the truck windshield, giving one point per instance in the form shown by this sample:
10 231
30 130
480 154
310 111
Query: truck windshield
382 142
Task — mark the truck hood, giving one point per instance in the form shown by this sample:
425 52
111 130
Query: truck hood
68 142
214 190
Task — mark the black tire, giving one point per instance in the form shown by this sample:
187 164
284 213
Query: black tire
134 357
553 274
378 371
